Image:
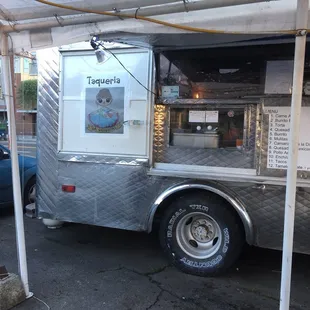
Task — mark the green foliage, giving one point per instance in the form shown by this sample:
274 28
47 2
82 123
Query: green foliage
27 94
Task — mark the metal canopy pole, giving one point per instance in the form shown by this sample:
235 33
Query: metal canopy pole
299 60
18 206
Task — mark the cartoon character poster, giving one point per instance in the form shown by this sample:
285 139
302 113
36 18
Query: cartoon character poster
104 110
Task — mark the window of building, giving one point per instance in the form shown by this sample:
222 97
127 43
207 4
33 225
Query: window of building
17 64
33 68
26 65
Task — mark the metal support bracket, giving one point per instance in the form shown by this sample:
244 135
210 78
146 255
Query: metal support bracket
185 5
301 32
116 10
59 20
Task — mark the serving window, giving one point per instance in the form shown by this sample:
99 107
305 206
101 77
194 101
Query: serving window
206 136
228 107
208 106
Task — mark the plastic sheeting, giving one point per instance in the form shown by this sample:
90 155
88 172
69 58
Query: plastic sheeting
46 23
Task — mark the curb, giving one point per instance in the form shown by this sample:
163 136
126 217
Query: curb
11 292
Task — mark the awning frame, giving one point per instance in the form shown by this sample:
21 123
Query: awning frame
301 33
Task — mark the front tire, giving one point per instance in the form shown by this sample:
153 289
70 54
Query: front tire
201 234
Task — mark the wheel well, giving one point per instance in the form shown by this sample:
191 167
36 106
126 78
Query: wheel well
169 200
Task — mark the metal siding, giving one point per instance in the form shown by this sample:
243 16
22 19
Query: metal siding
47 135
121 195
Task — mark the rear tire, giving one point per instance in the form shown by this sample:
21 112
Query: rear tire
201 234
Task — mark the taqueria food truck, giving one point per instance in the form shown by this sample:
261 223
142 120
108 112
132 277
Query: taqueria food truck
190 141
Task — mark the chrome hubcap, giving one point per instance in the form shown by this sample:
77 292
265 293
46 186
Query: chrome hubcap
198 235
202 230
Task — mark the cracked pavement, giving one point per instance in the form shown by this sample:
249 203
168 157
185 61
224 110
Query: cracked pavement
88 267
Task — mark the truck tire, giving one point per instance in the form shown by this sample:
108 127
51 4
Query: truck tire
201 234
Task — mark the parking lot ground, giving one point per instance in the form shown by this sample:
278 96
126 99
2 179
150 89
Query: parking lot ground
88 267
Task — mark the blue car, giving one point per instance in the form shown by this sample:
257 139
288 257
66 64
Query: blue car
27 168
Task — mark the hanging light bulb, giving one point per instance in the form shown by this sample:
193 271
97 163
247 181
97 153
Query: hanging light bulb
102 56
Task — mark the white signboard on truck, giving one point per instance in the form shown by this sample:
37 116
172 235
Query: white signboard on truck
279 129
102 108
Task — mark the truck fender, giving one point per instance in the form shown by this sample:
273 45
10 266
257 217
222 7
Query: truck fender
217 189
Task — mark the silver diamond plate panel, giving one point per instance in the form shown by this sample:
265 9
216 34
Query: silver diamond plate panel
47 133
108 195
231 158
251 120
266 209
270 219
101 159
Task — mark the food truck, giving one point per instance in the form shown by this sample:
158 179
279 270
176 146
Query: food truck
192 142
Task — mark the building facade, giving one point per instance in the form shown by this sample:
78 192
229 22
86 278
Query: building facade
24 69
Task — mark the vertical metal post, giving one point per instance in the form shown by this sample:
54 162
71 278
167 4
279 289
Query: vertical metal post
18 206
299 60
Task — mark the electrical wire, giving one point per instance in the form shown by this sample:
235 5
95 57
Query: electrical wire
100 44
43 302
160 22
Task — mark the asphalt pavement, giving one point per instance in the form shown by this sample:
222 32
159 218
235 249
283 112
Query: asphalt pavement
25 147
88 267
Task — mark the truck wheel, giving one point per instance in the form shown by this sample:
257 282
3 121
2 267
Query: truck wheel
201 234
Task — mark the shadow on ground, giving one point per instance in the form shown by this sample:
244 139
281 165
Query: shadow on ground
88 267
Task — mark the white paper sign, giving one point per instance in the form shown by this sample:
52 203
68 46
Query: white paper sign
170 91
105 103
212 116
197 116
279 77
279 128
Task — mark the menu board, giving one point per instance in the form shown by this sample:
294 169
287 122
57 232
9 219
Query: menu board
212 116
278 145
197 116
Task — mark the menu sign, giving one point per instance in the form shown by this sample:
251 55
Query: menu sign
195 116
212 116
278 145
203 116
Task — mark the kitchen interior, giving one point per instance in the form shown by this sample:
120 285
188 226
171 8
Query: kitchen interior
210 97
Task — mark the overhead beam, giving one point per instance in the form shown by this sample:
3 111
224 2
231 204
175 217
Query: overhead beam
39 10
176 7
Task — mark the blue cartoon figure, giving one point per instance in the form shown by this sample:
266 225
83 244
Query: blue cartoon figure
104 119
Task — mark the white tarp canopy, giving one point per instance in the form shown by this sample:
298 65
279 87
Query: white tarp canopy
34 25
31 25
